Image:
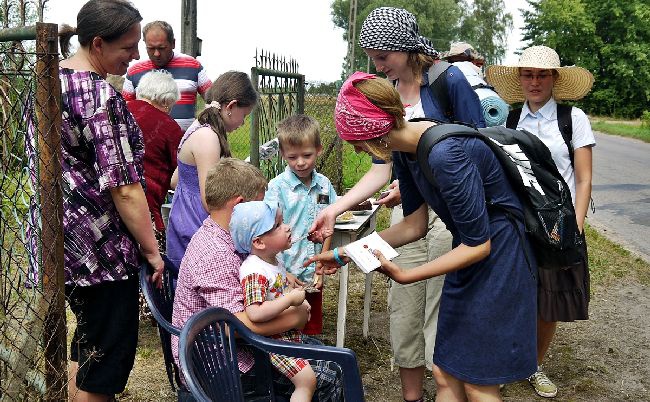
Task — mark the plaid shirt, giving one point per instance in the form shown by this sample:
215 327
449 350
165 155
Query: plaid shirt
102 148
262 281
209 277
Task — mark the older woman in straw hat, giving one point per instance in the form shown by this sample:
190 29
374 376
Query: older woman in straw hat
539 81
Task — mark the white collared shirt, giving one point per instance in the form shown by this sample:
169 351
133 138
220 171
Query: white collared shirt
543 124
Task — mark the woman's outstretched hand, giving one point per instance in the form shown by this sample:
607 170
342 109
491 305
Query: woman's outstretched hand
389 268
392 197
325 262
323 226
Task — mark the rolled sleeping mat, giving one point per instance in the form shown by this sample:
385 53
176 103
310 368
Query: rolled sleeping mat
471 72
495 109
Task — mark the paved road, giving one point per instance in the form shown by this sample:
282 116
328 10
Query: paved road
621 192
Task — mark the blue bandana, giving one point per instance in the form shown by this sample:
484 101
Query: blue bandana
250 220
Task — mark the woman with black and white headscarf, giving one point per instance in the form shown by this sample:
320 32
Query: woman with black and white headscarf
390 37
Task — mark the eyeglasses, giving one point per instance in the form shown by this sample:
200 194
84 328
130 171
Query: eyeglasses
539 77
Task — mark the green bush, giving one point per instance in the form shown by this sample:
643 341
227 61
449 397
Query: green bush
645 119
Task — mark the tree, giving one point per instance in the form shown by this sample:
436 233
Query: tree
611 38
429 14
486 26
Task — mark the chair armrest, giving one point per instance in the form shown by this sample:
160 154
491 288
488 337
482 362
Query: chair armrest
147 290
344 357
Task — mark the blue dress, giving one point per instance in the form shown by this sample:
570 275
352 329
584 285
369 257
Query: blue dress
487 321
187 213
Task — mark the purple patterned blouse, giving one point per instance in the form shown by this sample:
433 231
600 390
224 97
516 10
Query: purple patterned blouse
102 148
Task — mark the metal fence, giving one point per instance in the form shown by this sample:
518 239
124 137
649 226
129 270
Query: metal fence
33 346
283 92
32 320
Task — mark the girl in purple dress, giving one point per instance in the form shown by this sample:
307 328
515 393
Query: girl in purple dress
228 101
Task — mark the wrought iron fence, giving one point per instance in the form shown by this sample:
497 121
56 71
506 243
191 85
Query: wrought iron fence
32 318
283 93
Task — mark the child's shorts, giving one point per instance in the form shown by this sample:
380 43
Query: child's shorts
106 335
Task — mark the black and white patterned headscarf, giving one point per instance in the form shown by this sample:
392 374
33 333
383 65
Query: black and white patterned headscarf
394 29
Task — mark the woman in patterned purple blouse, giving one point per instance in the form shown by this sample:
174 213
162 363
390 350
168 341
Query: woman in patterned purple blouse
106 219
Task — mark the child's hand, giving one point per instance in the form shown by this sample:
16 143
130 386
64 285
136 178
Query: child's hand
296 296
306 304
293 282
318 281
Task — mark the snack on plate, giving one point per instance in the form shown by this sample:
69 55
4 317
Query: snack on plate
364 206
345 217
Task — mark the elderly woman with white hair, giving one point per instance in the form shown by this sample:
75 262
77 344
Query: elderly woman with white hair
155 96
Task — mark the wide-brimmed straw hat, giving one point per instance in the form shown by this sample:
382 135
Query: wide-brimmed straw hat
573 82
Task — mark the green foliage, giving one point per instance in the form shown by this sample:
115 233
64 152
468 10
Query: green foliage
485 25
645 119
482 23
611 38
325 88
624 130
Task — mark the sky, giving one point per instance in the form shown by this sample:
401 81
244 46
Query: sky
232 31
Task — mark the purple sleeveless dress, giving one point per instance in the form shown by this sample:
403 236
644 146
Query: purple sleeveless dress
187 213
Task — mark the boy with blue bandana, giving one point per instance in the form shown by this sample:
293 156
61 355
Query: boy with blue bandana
257 230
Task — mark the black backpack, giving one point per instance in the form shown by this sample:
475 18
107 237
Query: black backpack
549 216
438 85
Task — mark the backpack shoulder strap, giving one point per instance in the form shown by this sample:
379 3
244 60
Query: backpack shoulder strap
565 124
431 137
513 118
438 86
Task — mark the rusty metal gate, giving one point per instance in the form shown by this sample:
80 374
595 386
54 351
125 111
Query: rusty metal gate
282 93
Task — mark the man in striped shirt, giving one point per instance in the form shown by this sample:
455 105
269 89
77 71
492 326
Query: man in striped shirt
189 74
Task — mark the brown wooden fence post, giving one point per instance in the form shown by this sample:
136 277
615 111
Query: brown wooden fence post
48 115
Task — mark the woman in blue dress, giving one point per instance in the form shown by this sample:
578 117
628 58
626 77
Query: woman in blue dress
486 327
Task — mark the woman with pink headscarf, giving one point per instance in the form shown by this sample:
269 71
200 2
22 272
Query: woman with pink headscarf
486 325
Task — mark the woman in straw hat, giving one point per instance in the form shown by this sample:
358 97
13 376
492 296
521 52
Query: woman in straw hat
391 39
486 322
539 81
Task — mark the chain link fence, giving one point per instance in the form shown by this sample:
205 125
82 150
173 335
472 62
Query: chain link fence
32 318
33 346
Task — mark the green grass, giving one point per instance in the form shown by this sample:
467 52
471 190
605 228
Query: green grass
609 262
622 129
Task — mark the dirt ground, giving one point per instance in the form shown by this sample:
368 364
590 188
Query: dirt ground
606 358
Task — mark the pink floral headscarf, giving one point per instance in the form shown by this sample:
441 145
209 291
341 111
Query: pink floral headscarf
355 116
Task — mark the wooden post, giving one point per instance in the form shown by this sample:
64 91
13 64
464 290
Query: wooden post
48 115
189 43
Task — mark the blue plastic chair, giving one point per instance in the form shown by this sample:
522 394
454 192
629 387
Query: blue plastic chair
161 303
208 357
